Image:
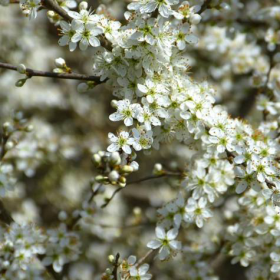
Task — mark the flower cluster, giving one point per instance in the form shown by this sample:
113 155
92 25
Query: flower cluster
23 245
62 247
129 269
114 166
20 246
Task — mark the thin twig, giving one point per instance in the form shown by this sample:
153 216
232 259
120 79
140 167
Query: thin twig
167 174
108 200
37 73
143 259
53 5
113 195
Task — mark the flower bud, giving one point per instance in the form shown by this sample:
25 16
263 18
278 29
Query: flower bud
99 178
20 83
9 145
8 127
127 169
21 69
157 169
96 158
60 62
29 128
135 166
114 176
82 87
83 5
51 14
122 180
111 258
115 158
195 19
114 103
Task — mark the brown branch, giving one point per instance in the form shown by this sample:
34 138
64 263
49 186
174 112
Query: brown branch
53 5
116 265
36 73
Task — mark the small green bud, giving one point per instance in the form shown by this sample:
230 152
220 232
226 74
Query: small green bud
111 258
96 158
9 145
122 180
158 169
114 176
21 69
99 178
127 169
114 103
51 14
20 83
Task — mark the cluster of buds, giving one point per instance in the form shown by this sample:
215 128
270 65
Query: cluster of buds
113 169
61 66
21 68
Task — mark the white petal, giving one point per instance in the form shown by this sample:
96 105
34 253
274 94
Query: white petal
94 41
241 187
172 234
154 244
160 233
126 149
